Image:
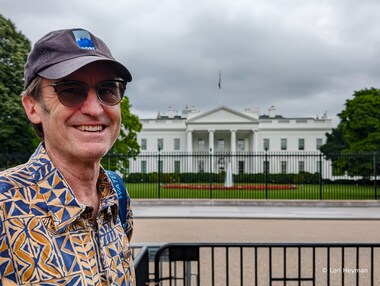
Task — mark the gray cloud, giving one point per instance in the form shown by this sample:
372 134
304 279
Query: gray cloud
304 57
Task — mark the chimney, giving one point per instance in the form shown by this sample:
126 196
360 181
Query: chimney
272 111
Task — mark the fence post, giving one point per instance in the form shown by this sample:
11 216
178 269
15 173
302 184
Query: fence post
211 174
320 176
375 173
159 174
266 173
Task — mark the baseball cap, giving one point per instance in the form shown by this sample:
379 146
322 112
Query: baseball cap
62 52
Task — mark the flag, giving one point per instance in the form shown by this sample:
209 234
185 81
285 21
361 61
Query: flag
220 80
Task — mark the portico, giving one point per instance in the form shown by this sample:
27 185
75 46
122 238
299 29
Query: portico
222 130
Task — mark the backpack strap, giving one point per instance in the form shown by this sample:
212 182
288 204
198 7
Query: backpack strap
122 194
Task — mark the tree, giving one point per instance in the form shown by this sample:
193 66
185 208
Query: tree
335 142
361 119
126 144
16 134
356 139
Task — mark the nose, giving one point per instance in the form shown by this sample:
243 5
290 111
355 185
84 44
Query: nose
92 105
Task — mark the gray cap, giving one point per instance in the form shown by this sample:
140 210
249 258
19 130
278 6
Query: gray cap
62 52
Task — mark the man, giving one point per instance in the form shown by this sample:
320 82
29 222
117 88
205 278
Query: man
59 222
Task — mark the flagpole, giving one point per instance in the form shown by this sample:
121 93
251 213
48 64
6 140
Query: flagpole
220 87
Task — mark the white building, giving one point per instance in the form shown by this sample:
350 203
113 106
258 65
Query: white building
224 130
228 130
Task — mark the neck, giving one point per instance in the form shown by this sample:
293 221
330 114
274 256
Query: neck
82 177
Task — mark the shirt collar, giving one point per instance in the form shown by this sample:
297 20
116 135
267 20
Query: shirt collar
59 197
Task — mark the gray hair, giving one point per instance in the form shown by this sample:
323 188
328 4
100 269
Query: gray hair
33 90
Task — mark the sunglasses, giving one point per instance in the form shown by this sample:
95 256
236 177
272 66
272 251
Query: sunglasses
74 93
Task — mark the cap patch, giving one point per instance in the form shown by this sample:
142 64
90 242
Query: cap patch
83 40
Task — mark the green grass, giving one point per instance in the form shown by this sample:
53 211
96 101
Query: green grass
302 192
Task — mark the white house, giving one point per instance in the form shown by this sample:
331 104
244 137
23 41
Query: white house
223 130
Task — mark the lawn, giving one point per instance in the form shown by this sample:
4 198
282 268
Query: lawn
293 192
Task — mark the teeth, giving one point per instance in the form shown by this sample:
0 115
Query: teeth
90 128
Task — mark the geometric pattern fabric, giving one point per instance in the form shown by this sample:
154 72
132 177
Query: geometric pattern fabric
48 238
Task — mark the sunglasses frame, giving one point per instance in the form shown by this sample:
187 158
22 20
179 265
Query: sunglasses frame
85 87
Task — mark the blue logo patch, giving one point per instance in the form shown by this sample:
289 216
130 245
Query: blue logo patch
83 40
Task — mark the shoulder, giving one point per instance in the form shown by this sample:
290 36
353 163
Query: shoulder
15 178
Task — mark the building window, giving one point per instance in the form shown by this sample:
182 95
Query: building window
241 145
301 144
266 166
143 144
284 166
319 166
201 166
284 144
241 167
266 143
143 167
160 166
319 143
177 145
201 145
160 143
220 145
301 166
177 166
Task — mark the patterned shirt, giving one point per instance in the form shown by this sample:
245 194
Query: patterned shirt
48 238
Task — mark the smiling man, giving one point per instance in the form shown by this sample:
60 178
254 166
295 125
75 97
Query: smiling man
59 221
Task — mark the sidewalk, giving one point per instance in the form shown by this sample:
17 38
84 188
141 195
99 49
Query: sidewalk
319 210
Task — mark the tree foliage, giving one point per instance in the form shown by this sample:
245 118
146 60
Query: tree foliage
16 134
127 142
361 120
357 137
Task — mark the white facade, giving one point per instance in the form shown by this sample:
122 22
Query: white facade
229 137
226 130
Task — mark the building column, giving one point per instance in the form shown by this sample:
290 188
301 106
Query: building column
255 141
256 132
233 141
211 140
189 141
211 148
189 150
233 152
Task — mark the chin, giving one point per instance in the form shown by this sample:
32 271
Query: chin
92 154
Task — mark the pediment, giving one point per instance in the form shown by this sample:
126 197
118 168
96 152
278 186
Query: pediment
222 115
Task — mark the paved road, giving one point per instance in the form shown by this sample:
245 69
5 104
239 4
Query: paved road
205 222
254 210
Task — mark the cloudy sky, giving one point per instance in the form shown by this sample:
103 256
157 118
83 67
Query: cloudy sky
305 57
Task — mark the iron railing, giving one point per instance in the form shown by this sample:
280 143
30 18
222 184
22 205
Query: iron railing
265 264
244 175
250 175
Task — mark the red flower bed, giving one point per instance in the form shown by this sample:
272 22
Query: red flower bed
236 187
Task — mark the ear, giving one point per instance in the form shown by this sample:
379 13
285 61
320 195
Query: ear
32 109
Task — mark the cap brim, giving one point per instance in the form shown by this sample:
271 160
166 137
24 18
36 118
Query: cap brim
65 68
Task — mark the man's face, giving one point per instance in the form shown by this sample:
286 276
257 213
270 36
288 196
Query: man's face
83 133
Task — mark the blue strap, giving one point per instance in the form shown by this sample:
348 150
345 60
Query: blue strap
119 186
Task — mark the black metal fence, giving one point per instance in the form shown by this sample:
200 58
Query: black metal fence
244 175
264 264
260 175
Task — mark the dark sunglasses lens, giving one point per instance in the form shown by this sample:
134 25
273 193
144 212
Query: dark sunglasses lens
110 92
71 94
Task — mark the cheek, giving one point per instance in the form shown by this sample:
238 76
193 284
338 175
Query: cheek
116 117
